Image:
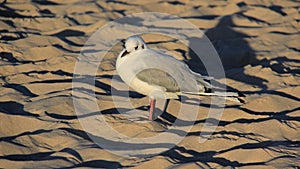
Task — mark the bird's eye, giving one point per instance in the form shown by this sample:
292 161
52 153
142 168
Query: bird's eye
142 46
136 47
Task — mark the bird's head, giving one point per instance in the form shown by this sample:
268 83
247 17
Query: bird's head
133 44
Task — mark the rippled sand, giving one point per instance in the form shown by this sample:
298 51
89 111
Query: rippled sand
257 40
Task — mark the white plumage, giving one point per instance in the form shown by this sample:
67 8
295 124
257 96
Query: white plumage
158 75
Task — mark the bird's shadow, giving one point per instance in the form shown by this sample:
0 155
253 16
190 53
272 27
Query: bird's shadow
234 53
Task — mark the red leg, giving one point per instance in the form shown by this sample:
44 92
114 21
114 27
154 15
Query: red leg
152 107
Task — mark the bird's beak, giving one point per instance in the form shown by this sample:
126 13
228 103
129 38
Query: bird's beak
124 53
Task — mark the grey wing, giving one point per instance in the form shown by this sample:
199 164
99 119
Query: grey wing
159 78
178 77
203 81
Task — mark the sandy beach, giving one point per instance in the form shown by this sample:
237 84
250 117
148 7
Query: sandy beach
258 42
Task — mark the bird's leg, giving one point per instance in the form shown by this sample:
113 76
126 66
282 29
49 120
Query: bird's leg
152 107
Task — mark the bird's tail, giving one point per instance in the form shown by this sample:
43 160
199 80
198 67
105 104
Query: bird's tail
232 96
207 89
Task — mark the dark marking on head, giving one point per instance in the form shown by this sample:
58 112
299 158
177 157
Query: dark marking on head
123 41
124 53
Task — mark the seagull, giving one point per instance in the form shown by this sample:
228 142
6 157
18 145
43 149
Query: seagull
161 76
